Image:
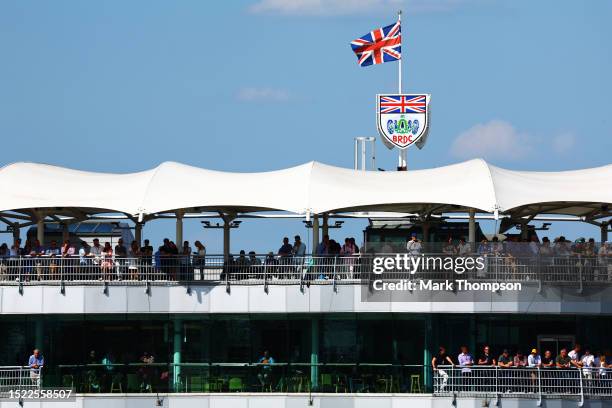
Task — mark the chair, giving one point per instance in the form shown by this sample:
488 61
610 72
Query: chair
415 383
116 383
196 384
326 382
132 383
68 381
235 384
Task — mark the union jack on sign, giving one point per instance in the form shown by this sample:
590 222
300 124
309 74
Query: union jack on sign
403 119
402 104
378 46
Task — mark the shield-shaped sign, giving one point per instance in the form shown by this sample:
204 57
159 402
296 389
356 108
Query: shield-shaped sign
402 119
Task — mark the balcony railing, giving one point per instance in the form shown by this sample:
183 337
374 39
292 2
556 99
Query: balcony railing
266 269
527 382
19 379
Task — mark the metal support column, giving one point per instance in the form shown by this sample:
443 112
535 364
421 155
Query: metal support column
604 231
177 340
472 229
427 346
138 232
65 232
40 230
315 234
16 232
325 225
179 229
314 353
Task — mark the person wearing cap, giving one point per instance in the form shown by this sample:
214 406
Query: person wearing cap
534 360
413 246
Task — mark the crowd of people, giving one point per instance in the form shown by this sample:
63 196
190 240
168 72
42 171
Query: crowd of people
477 374
135 261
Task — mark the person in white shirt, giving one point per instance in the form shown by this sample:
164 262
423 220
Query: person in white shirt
534 360
574 355
587 362
299 248
413 247
464 248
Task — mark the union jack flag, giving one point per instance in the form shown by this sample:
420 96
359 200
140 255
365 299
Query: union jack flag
402 104
378 46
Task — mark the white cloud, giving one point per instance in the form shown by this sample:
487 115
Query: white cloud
563 143
496 139
252 94
349 7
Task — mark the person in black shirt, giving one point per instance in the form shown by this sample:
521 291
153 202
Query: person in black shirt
486 359
548 361
440 360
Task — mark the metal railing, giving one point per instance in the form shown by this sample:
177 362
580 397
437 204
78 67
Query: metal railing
19 379
267 269
523 382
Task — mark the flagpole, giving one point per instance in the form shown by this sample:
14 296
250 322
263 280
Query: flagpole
401 160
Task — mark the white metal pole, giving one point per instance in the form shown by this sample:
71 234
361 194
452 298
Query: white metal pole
363 155
401 160
399 82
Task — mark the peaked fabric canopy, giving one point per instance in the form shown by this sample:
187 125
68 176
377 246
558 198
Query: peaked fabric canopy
311 187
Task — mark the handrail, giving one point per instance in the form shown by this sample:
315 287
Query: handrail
269 270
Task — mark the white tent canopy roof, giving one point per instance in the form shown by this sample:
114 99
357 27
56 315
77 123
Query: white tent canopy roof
313 187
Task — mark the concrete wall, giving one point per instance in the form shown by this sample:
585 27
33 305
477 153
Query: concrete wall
290 299
298 401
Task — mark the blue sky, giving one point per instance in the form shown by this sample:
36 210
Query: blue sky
264 84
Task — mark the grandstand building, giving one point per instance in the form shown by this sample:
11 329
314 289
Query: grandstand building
306 329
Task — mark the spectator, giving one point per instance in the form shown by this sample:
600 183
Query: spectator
200 257
68 249
120 258
266 362
96 251
36 363
107 261
547 360
534 246
449 248
504 359
465 359
464 248
134 258
603 366
83 254
440 360
485 358
484 248
186 262
563 360
16 250
299 248
146 251
323 248
146 371
348 249
534 360
286 249
520 360
574 356
587 362
497 248
413 246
